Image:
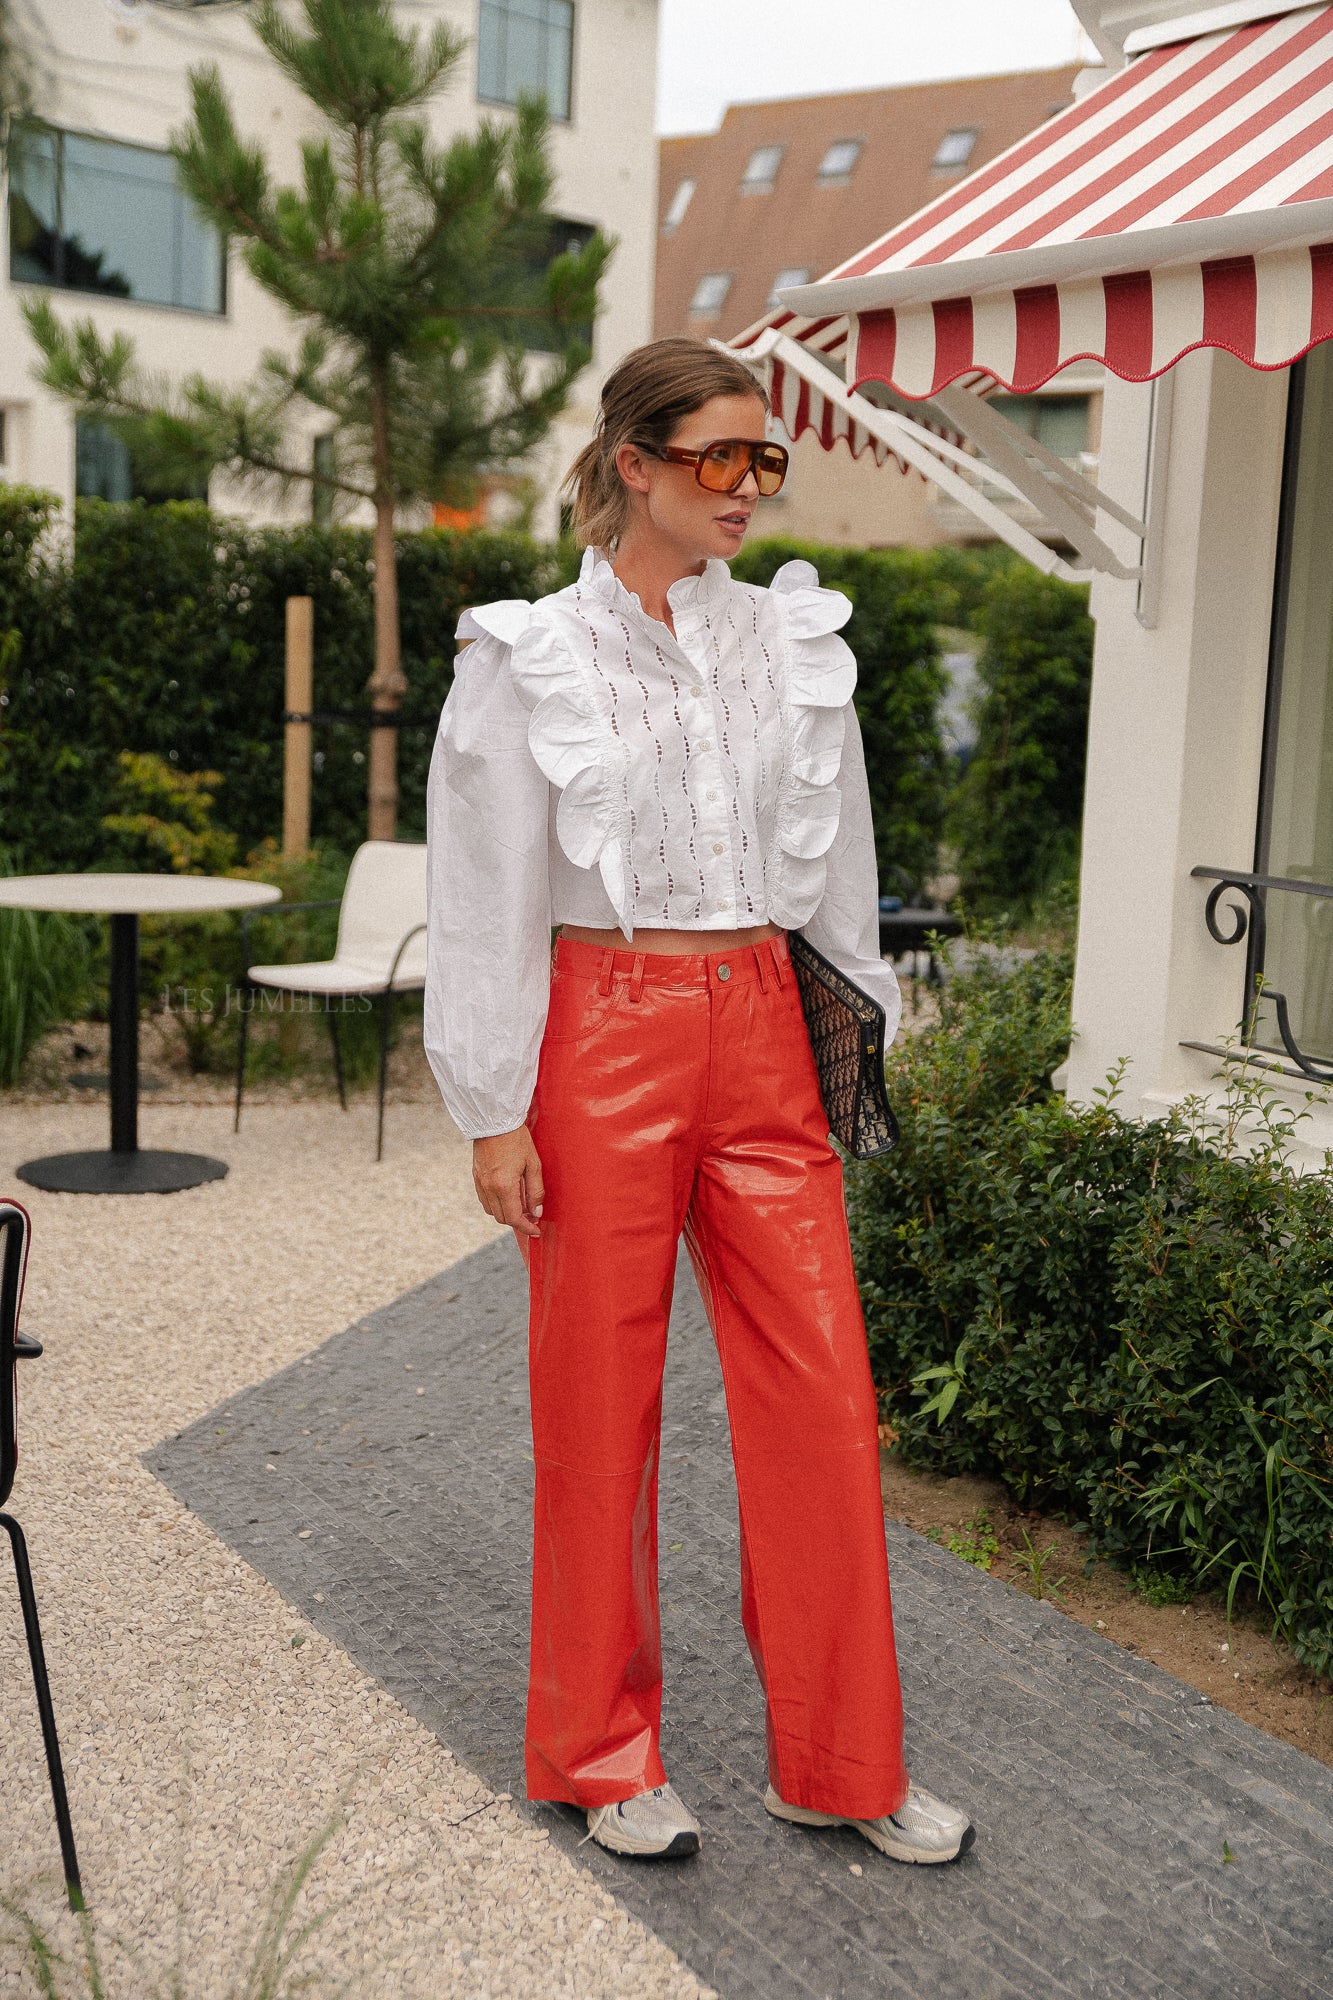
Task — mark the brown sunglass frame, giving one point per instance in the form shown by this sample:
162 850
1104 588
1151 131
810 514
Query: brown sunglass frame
676 454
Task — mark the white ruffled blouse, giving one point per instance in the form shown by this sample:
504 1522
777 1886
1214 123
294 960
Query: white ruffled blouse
591 768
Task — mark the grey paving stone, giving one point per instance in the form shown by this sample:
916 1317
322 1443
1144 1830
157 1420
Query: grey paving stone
1102 1789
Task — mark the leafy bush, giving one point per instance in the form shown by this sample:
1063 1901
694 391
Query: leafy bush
162 634
1015 815
45 978
1133 1322
899 687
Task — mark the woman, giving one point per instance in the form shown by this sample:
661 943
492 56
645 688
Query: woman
666 766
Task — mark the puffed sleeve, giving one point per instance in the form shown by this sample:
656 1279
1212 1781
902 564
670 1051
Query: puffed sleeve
489 896
845 925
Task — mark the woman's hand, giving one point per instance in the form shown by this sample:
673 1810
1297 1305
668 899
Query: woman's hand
508 1178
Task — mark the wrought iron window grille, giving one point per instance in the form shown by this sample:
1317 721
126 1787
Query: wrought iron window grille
1250 922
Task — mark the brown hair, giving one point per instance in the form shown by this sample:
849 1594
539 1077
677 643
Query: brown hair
644 399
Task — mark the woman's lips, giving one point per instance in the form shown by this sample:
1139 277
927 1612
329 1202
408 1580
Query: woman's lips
737 523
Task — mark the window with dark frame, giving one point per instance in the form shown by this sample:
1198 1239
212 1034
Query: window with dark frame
1289 931
97 215
526 48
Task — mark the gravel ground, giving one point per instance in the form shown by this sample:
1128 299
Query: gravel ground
210 1733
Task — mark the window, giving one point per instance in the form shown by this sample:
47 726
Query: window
797 276
836 165
526 47
710 295
105 470
558 237
1294 951
91 215
762 170
1058 422
955 148
680 202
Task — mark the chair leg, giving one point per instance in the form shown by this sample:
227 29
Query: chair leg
386 1010
337 1055
247 994
28 1599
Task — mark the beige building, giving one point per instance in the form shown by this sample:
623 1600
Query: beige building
93 212
785 190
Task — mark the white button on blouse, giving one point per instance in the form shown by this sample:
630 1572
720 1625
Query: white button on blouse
570 784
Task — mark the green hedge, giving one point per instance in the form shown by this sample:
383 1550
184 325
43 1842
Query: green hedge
899 596
1014 818
163 634
1133 1322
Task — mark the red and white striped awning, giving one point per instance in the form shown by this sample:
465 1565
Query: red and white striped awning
799 405
1185 202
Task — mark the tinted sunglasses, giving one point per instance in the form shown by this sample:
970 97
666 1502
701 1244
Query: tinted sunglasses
722 466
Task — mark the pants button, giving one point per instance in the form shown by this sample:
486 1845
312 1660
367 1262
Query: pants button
724 972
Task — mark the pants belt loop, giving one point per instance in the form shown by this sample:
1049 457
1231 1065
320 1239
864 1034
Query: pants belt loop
759 968
776 956
636 977
608 967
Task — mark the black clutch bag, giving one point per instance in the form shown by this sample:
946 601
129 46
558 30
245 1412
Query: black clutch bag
846 1029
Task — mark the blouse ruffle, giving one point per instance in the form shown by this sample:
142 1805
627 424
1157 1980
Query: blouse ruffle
579 753
815 689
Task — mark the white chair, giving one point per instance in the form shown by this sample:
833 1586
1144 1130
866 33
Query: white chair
381 950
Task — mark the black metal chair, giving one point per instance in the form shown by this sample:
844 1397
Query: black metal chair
15 1229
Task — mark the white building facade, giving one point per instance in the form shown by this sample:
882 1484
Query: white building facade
93 212
1176 224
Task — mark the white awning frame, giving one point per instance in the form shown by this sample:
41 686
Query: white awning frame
1018 464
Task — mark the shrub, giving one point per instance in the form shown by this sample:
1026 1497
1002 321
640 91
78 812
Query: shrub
899 688
1014 817
1132 1322
162 634
45 978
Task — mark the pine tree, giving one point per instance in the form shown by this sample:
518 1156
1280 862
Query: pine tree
421 277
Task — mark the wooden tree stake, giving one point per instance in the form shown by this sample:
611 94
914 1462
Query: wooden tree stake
300 701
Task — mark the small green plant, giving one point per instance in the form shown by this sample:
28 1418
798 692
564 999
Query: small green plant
270 1973
975 1542
1034 1563
1160 1586
45 972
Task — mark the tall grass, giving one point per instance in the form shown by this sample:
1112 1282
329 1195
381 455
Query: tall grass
45 974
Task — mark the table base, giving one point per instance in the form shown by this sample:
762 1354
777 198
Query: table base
140 1172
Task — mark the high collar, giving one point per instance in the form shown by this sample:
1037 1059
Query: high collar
687 594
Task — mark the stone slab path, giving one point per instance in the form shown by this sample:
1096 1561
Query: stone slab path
383 1485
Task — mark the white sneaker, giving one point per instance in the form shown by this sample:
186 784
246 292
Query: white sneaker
922 1829
653 1825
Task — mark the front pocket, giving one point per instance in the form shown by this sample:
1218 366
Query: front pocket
578 1008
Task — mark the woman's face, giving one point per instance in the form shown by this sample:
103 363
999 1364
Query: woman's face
667 504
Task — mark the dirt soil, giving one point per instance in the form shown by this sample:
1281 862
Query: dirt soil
1238 1667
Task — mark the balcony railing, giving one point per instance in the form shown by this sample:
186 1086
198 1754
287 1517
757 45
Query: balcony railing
1250 920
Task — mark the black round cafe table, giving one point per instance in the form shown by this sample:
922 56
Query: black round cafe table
127 1167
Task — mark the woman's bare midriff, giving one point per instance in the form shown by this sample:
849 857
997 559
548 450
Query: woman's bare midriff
671 941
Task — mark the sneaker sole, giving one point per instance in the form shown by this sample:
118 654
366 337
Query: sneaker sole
682 1846
806 1816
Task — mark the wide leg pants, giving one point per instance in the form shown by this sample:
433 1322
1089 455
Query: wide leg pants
679 1094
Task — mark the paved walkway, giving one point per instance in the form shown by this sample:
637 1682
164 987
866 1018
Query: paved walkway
1108 1797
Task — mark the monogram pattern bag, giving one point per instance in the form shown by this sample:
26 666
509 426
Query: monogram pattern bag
846 1029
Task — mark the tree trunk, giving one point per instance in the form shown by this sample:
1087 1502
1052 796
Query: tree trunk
386 685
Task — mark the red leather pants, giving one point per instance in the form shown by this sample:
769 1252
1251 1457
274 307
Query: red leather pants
680 1093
